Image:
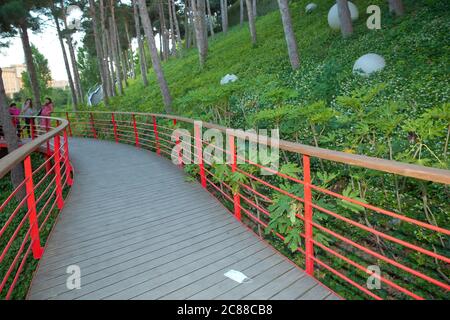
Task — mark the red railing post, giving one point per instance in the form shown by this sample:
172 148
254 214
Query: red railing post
236 197
136 135
48 153
309 245
113 119
92 126
31 204
180 158
67 159
57 151
199 147
68 120
155 131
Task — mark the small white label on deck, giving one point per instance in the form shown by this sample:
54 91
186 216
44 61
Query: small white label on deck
237 276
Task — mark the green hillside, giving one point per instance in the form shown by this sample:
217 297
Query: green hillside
415 48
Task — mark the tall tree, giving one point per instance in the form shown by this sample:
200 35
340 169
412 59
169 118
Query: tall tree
129 50
198 7
66 61
12 141
137 25
224 15
210 18
100 55
396 6
251 20
241 12
255 14
115 46
147 24
76 73
345 18
43 74
31 69
104 40
289 34
175 20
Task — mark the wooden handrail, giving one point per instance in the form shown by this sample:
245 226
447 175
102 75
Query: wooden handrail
384 165
14 158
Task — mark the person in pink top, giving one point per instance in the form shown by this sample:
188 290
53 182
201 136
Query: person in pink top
46 111
14 112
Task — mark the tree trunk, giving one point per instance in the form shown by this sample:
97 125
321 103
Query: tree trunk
119 63
172 36
110 61
30 65
102 63
198 6
224 14
255 14
396 6
129 51
124 64
66 62
251 20
175 20
241 12
142 63
289 34
108 71
76 73
187 23
163 32
115 51
345 18
147 24
12 141
210 20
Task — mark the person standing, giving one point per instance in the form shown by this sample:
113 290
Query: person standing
15 112
46 111
28 113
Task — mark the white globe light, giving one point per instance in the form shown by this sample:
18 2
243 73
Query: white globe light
333 15
368 64
310 7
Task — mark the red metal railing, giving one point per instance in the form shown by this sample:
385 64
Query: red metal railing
337 243
28 209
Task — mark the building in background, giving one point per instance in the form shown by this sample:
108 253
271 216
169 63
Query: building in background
12 78
62 84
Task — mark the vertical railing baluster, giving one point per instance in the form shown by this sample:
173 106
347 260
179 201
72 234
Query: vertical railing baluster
233 158
309 245
113 119
136 135
57 153
67 159
32 214
155 131
199 151
94 133
69 126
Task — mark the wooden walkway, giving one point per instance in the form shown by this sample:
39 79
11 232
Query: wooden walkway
138 230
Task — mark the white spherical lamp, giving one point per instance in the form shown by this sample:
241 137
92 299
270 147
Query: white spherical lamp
333 15
310 7
368 64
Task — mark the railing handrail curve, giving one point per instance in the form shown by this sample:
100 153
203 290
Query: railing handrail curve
17 156
389 166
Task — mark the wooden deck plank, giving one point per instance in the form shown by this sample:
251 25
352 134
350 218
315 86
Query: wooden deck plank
139 230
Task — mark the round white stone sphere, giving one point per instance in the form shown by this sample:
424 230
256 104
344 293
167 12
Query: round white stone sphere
368 64
310 7
333 15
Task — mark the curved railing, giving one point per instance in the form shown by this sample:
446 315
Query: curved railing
28 210
341 237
